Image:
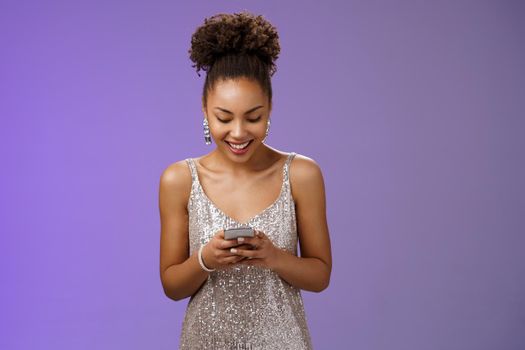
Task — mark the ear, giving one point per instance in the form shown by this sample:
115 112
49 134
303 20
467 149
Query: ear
203 107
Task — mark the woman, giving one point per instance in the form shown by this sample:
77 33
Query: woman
244 293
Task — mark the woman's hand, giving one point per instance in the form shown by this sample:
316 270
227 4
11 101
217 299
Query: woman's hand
264 252
216 253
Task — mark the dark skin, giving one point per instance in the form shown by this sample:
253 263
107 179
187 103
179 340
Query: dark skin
252 182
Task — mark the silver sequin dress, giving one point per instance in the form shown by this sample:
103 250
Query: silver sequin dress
244 306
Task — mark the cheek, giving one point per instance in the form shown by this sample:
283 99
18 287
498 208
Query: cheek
219 130
260 129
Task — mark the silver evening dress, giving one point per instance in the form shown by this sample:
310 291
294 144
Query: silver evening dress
244 306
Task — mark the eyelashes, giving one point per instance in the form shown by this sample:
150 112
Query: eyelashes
250 120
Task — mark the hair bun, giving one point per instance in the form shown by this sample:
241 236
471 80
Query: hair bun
237 33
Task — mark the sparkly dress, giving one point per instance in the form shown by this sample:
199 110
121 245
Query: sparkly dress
244 306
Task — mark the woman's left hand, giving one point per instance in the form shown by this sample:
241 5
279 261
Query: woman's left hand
264 252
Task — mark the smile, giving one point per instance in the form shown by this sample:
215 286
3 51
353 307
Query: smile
239 145
239 148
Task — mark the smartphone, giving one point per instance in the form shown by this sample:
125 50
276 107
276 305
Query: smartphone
233 233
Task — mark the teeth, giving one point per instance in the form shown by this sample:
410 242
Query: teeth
241 146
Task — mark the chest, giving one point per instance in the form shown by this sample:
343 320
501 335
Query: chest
242 199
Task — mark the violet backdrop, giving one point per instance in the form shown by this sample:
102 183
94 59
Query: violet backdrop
413 110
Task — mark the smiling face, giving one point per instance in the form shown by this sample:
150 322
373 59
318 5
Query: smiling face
237 113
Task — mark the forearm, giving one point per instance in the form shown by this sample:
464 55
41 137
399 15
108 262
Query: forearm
183 280
310 274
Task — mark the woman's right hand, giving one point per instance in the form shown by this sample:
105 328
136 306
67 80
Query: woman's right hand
216 253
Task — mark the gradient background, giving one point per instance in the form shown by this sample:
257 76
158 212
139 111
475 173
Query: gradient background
413 110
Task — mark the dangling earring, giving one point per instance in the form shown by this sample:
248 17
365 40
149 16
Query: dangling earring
207 137
267 129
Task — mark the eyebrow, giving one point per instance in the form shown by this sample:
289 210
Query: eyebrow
248 111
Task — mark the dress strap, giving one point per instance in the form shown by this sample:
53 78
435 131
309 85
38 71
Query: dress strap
193 169
287 166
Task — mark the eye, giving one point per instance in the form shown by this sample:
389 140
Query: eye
222 121
250 120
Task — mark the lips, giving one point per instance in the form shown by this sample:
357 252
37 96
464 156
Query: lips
239 151
238 143
247 143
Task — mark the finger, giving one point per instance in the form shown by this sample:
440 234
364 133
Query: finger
231 259
228 243
239 246
263 239
229 254
247 240
255 240
244 246
241 258
244 252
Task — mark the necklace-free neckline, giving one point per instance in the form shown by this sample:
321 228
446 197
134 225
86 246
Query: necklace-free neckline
254 217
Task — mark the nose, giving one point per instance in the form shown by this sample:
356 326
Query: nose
238 130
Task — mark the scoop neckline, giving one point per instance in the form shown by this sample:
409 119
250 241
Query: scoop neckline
262 212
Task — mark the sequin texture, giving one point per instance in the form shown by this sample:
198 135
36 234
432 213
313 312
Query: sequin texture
244 306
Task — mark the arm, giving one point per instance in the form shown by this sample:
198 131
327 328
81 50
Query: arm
311 271
311 274
181 275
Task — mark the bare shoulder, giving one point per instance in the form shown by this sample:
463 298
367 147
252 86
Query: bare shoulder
175 182
174 190
310 202
305 175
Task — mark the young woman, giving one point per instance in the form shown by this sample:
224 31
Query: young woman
244 293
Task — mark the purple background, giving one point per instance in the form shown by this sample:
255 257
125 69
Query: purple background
413 109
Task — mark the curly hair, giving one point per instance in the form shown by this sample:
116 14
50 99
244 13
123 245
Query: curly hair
230 46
